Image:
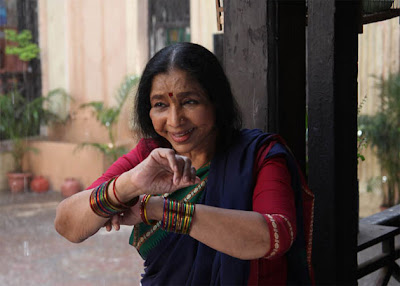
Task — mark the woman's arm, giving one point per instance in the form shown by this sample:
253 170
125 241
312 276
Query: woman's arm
244 234
161 172
241 234
76 221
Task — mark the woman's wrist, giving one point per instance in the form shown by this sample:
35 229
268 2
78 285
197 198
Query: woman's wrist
122 190
154 208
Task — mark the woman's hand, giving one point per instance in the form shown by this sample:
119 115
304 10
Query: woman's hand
163 171
132 216
129 217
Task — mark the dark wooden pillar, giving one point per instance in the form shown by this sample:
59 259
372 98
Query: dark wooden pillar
289 113
332 119
246 58
264 57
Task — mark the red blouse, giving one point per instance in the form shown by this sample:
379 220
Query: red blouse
273 197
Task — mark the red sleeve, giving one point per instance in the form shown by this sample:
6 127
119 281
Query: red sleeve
273 197
127 161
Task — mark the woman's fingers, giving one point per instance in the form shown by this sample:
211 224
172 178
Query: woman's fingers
187 172
164 171
171 158
181 166
179 173
115 222
107 225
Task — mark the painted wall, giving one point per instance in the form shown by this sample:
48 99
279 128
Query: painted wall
203 22
88 47
59 160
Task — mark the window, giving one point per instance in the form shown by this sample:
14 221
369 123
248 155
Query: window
169 22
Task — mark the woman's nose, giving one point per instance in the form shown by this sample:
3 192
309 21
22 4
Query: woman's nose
175 117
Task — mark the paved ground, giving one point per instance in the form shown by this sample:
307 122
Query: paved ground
32 253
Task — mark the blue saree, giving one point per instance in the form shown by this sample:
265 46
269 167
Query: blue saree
181 260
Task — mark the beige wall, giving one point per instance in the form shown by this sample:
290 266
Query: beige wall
88 48
379 55
59 160
203 23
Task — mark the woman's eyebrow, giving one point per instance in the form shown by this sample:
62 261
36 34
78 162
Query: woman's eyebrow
156 96
186 93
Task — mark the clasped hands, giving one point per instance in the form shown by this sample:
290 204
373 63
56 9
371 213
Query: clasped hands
163 171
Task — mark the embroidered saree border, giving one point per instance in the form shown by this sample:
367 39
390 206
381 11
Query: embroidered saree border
145 237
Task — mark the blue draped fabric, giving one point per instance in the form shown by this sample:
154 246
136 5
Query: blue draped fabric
182 260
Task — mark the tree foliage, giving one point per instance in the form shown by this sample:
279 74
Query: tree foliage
383 133
108 117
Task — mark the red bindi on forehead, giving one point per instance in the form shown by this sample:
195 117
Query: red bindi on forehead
170 94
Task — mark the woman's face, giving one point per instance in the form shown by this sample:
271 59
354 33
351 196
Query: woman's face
182 113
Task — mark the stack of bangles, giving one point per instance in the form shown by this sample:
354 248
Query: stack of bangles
177 216
102 205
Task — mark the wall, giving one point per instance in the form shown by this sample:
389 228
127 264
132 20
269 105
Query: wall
59 160
203 22
379 55
88 47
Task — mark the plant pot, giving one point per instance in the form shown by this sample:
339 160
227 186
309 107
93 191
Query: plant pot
18 182
39 184
70 187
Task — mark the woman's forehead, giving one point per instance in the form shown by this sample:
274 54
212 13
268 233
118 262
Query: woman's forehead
173 81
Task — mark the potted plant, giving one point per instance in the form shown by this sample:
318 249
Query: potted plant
19 119
20 44
108 117
383 134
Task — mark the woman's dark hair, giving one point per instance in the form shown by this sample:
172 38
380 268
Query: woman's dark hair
202 66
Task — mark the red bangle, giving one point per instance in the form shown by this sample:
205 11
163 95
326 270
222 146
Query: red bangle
127 205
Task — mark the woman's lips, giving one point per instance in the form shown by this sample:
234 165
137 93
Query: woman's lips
182 136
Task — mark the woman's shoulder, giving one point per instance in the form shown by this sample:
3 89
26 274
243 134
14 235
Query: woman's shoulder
248 137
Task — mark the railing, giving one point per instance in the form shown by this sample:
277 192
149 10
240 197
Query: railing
380 228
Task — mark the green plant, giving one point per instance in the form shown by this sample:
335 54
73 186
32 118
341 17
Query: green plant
108 117
22 45
383 133
20 118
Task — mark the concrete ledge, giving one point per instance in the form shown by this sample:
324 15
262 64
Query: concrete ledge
59 160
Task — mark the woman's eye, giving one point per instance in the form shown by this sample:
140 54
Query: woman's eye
158 104
190 101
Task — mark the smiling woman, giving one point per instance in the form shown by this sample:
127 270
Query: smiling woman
186 120
218 205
